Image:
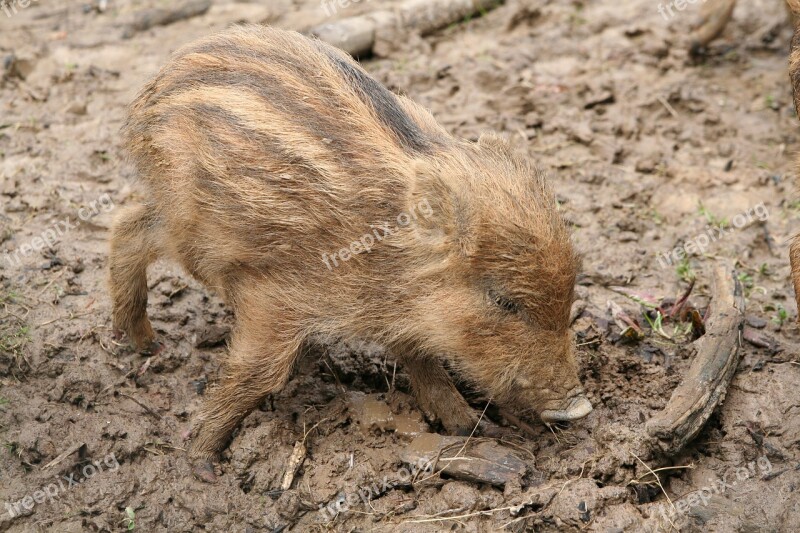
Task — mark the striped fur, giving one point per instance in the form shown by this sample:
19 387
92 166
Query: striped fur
261 150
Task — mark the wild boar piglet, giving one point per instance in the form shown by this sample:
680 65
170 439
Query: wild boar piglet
316 202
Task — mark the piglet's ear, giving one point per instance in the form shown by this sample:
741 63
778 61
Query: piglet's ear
445 221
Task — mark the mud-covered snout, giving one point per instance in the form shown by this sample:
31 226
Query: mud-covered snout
573 408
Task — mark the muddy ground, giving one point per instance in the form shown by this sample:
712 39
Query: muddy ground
646 149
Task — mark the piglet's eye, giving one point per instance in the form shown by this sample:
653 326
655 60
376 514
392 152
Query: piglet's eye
504 303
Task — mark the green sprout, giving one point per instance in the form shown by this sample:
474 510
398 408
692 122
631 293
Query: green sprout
657 217
781 316
684 270
130 518
711 217
14 340
657 324
747 282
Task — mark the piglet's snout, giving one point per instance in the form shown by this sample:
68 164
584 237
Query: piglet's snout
574 408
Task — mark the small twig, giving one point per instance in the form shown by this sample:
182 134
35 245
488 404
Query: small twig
668 106
652 472
295 460
518 447
119 382
305 433
595 341
336 377
475 428
681 303
386 379
9 313
524 426
468 515
154 452
567 482
658 481
140 404
297 457
48 284
458 510
67 317
550 427
177 290
72 449
523 517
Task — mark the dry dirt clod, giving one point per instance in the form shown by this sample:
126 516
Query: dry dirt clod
149 18
358 35
759 339
213 335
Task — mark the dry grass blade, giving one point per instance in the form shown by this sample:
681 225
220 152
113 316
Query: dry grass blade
658 482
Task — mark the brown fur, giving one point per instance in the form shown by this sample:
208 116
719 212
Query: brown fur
261 150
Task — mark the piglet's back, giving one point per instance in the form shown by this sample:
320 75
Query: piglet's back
271 131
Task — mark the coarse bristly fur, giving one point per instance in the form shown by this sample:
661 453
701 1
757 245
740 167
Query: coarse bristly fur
261 151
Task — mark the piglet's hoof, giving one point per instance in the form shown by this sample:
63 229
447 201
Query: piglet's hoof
153 349
204 471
